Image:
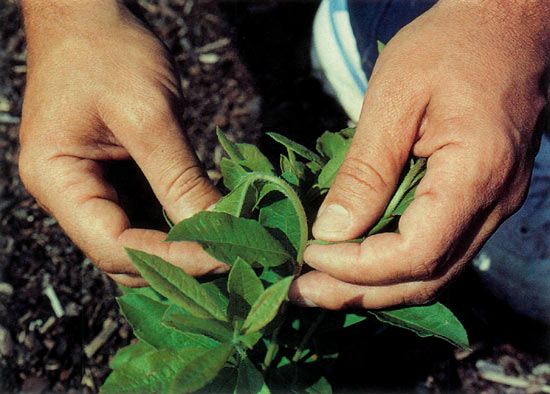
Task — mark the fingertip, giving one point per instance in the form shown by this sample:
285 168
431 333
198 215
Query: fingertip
333 223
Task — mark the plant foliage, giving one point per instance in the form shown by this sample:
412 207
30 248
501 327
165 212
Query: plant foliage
236 333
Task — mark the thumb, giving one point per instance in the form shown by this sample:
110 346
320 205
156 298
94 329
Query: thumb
159 146
370 171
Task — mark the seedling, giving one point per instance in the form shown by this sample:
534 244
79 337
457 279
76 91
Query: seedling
237 333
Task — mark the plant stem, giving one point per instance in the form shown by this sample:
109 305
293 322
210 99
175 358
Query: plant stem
271 349
273 344
308 335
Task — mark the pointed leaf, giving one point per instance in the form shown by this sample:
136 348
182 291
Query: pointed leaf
254 160
322 386
244 289
232 173
173 283
381 46
297 148
226 237
250 380
230 147
278 213
330 144
130 352
195 325
329 171
151 372
240 201
431 320
148 327
201 370
244 282
267 306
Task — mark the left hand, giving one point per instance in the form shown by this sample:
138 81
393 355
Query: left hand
463 86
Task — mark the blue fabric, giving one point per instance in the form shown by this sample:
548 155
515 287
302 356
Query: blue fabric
380 20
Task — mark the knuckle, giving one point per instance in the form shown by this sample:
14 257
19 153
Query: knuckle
420 296
422 269
358 176
184 183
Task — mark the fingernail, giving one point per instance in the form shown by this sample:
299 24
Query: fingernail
307 303
220 270
211 207
334 219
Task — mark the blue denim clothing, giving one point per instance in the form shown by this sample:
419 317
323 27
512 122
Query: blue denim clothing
380 20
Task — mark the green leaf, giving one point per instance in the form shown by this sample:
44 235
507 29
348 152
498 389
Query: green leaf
224 382
146 291
217 290
251 339
329 171
230 147
147 326
278 213
266 307
232 173
195 325
347 132
381 46
250 380
173 283
322 386
254 160
226 237
201 370
244 288
330 144
297 148
130 352
351 319
430 320
240 201
149 372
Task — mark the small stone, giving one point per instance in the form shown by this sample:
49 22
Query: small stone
541 369
6 288
209 58
73 309
6 343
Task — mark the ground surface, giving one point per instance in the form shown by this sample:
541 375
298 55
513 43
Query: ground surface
245 68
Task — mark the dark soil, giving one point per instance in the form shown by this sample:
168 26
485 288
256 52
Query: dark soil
256 77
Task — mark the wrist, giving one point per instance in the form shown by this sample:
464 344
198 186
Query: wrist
526 22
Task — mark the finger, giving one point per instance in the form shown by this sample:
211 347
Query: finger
391 114
318 289
131 281
152 133
88 212
452 204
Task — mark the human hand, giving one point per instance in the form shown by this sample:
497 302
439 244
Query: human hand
462 85
101 87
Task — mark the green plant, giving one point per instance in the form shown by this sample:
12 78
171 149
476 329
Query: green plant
236 333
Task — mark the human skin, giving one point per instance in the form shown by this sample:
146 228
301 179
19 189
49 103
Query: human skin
462 85
101 87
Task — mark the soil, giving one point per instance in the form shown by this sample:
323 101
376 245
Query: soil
244 67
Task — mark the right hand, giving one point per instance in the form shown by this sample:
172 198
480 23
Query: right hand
102 87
